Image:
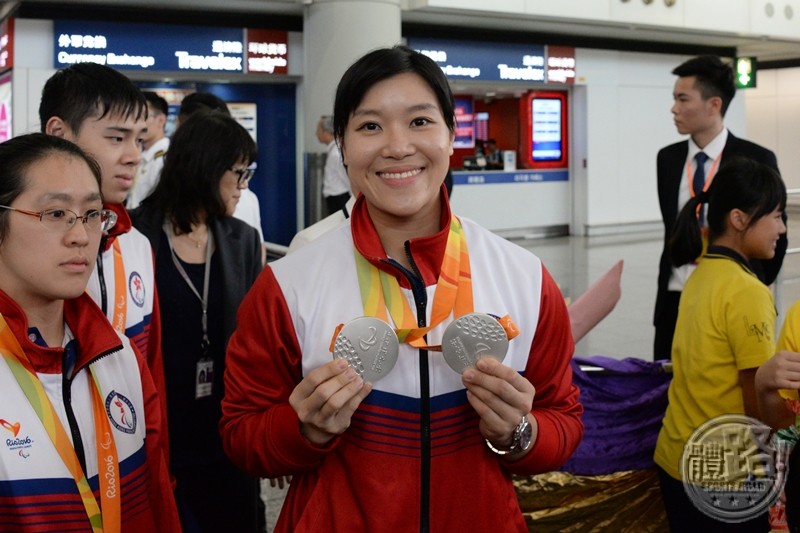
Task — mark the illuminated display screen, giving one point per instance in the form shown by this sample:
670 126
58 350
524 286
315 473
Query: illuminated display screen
546 131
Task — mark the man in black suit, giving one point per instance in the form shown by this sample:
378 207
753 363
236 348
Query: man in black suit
702 93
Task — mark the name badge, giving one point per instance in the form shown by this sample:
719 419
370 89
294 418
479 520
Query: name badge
204 378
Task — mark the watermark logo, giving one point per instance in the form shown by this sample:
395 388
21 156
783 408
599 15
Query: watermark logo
732 471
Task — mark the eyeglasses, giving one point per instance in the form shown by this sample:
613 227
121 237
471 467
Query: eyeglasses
64 219
244 175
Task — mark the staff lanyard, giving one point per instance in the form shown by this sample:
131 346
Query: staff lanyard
711 172
107 520
206 277
380 290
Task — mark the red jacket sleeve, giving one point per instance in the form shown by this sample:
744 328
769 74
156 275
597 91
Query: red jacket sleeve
260 430
161 497
555 405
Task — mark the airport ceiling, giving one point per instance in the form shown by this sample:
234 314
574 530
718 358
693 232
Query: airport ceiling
288 14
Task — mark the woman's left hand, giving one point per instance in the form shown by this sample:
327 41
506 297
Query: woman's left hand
500 396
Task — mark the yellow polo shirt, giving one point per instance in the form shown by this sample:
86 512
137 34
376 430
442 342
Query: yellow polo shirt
726 323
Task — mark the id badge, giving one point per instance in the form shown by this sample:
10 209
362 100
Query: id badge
204 378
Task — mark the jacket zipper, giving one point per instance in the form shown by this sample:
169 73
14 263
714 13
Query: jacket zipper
101 278
66 392
421 301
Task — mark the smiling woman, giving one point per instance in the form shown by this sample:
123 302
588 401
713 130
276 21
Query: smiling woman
60 356
438 432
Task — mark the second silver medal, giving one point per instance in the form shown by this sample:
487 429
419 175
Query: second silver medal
470 337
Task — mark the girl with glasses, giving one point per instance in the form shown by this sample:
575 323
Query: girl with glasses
77 401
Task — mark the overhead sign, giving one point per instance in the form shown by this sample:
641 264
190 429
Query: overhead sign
171 48
560 64
6 44
484 61
496 61
267 51
746 68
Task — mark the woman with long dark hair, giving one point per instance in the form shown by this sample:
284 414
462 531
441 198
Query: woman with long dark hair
205 263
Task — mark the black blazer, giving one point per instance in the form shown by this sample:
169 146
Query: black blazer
237 245
669 164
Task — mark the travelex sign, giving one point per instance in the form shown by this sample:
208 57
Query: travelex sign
499 61
164 47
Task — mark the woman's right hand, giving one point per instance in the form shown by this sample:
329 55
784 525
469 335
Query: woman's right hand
326 399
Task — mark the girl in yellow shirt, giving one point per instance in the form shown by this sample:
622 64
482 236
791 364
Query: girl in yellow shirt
725 327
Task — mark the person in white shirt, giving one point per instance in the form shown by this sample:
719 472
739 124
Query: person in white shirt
249 210
155 145
335 183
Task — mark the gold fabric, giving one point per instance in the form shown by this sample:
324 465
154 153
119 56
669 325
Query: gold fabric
618 502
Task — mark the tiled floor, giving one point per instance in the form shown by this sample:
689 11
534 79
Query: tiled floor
576 262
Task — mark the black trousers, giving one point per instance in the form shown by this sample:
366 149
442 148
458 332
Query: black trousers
684 517
665 326
218 497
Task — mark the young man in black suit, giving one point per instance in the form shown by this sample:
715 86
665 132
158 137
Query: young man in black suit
702 93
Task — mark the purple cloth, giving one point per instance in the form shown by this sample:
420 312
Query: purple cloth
623 408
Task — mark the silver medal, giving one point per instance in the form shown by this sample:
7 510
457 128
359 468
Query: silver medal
470 337
370 346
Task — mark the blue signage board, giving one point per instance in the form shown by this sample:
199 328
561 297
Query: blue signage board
162 47
516 176
484 61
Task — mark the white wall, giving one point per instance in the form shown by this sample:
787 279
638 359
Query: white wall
628 97
773 118
33 66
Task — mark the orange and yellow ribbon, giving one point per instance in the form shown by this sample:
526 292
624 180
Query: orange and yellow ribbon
109 519
381 291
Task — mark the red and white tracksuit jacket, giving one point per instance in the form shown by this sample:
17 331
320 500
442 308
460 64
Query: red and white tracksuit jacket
37 492
413 457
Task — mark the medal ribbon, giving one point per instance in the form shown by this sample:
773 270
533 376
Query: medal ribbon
380 290
107 466
120 310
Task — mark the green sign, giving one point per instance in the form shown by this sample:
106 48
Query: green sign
745 72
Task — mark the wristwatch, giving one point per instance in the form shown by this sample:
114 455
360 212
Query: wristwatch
520 440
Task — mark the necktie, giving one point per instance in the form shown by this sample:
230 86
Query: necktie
699 180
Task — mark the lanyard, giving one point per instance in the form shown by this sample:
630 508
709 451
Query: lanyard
206 277
120 310
711 172
109 519
380 290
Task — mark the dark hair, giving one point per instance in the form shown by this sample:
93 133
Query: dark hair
156 102
89 90
202 149
714 78
380 65
194 102
19 153
743 184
